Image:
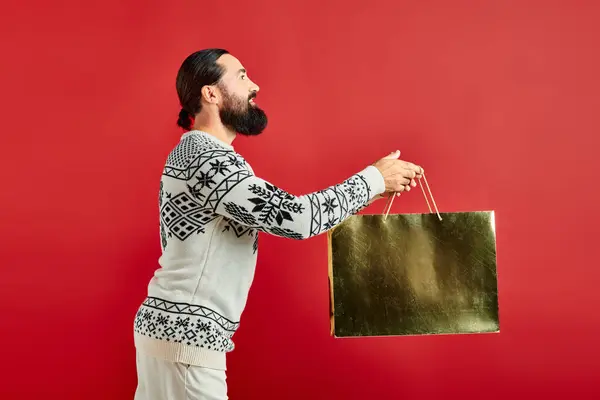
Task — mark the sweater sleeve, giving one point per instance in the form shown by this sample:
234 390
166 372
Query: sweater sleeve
228 187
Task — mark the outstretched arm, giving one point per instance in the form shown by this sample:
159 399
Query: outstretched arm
229 188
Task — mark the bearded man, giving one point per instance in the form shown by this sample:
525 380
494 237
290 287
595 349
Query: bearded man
211 208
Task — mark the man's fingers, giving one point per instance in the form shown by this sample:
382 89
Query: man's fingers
412 172
400 175
401 180
406 173
413 167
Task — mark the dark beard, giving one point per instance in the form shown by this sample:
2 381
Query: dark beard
239 116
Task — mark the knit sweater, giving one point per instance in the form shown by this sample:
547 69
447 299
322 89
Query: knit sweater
212 207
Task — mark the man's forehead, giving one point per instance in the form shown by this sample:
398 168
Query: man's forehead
230 63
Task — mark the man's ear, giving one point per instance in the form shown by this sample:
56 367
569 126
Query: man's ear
210 94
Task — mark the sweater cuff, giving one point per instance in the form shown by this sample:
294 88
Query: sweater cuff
374 180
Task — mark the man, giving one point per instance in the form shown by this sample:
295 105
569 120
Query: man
212 207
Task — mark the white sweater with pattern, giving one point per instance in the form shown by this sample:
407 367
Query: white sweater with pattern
212 207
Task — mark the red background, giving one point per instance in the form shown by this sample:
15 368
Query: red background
498 101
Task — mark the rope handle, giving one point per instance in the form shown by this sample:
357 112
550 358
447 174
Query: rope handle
388 205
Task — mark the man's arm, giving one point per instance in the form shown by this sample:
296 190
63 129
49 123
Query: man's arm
229 188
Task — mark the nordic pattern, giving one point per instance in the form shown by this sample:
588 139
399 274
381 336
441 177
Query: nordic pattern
199 163
269 207
182 216
185 323
189 155
273 204
211 172
331 206
240 230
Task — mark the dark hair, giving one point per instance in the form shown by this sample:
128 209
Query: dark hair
198 70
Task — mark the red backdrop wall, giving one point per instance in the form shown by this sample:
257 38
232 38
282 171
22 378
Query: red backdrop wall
498 101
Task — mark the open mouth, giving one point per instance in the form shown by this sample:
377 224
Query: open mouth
251 99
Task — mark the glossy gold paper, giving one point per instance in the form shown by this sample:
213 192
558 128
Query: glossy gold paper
413 274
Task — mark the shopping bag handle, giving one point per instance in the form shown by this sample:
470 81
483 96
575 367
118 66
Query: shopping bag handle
388 205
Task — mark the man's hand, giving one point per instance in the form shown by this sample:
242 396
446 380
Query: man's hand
398 175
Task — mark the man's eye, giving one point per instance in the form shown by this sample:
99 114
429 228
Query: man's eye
243 76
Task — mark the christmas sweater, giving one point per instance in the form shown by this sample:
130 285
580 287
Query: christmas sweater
211 209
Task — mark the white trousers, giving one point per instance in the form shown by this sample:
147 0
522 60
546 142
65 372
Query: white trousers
164 380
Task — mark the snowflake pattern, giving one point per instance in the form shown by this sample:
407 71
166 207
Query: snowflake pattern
213 172
203 180
199 162
270 208
273 204
197 179
189 324
329 206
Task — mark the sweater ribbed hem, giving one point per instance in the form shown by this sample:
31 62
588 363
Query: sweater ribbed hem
178 352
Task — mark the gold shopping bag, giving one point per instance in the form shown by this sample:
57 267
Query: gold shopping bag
413 274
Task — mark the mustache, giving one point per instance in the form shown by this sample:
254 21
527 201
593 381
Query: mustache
252 95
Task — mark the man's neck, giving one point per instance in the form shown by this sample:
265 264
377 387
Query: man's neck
219 131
